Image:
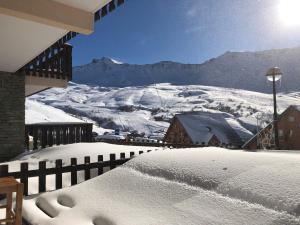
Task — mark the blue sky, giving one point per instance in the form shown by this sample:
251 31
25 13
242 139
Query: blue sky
188 31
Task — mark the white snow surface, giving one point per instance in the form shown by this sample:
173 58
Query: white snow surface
37 112
208 186
149 109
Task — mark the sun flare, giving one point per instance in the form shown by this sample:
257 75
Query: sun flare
289 11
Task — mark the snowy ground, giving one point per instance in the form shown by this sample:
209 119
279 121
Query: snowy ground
209 186
149 108
66 152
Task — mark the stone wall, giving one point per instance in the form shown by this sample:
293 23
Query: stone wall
12 114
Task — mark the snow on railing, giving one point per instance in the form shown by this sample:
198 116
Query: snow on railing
73 168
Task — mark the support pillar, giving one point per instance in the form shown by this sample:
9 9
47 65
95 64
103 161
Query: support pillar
12 115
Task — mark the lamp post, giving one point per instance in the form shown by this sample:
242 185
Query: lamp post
274 74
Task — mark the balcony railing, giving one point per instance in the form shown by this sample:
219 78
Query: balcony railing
55 62
42 135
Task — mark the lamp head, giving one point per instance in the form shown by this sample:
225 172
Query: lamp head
274 73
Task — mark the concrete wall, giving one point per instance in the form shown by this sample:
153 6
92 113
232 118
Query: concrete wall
12 114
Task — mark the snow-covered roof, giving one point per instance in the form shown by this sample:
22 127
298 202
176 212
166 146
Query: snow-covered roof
201 126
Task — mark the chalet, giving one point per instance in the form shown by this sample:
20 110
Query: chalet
288 132
35 55
204 128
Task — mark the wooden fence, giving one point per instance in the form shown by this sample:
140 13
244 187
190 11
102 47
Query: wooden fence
49 134
24 174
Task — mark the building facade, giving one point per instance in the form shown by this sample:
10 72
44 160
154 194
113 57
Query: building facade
288 132
35 55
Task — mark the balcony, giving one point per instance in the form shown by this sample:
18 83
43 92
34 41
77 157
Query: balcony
42 135
52 68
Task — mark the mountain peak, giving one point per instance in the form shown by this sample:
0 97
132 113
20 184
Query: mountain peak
106 60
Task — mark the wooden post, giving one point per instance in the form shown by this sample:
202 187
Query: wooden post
42 176
26 138
72 137
87 172
35 138
64 128
24 177
19 204
122 155
78 134
90 132
112 159
58 174
50 136
100 167
44 137
73 171
58 136
3 171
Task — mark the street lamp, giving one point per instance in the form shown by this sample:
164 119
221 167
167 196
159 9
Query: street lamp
274 74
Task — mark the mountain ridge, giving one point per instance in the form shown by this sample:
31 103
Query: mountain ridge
242 70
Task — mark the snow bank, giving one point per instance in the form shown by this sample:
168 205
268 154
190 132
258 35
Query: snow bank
188 186
267 178
66 152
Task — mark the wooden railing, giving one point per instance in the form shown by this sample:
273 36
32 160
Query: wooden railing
49 134
55 62
24 174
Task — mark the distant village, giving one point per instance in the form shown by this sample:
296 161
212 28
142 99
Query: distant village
215 129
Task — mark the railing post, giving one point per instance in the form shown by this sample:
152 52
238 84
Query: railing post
100 167
89 132
77 129
64 128
35 138
26 138
112 161
42 176
68 58
72 135
3 170
24 177
58 174
58 136
87 172
73 171
44 137
50 136
122 155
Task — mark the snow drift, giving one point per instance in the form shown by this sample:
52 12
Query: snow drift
185 186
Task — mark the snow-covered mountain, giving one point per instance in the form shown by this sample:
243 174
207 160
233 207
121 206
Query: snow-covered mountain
149 108
243 70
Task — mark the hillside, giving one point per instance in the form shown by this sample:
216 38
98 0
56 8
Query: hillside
242 70
149 108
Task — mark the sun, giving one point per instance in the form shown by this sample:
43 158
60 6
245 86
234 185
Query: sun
289 12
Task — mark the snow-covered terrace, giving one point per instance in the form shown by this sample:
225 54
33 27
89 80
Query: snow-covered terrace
182 186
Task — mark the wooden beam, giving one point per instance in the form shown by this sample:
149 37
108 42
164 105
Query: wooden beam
50 13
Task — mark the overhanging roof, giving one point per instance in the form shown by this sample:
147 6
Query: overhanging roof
25 33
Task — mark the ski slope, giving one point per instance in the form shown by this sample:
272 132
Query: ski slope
149 109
